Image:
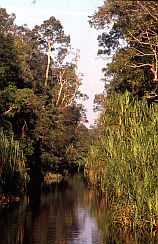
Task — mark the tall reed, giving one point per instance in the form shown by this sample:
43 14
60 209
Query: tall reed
124 160
12 168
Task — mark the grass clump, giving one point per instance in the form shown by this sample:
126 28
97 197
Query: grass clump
13 174
124 161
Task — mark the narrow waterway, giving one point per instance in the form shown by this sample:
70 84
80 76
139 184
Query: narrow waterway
62 213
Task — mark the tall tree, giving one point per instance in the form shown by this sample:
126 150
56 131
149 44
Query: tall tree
131 37
52 40
39 86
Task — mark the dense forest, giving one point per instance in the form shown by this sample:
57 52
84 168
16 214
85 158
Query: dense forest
123 161
42 122
41 115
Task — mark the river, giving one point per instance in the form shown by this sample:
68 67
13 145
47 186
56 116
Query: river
68 212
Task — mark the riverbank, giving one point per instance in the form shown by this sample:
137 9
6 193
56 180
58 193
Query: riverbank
122 164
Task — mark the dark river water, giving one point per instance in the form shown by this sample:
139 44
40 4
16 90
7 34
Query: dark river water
62 213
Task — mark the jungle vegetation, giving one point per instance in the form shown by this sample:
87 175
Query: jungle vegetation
40 117
123 161
41 114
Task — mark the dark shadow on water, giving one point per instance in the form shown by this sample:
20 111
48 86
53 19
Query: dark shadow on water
68 212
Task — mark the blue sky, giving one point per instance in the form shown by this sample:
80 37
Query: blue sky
73 14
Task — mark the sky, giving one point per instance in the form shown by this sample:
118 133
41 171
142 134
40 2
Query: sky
73 14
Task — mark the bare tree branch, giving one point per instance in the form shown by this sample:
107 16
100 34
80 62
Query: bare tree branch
48 61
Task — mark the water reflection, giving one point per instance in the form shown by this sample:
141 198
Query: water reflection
63 213
89 232
59 214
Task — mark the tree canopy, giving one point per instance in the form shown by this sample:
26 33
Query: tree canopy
130 38
39 90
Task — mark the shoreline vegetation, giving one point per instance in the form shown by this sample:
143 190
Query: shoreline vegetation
13 172
123 162
43 136
41 112
51 178
7 199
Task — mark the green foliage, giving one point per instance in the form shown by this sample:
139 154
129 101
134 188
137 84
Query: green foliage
123 161
12 168
38 93
6 21
130 39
